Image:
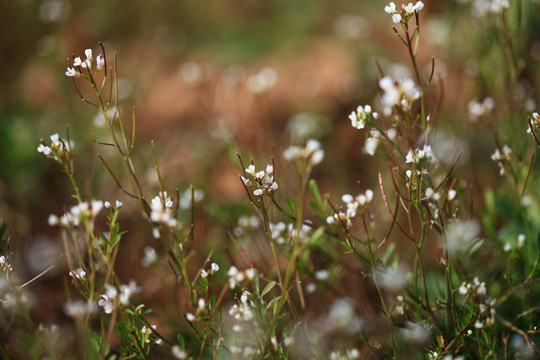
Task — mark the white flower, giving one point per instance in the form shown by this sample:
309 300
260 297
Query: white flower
258 192
263 81
461 234
396 18
322 275
418 6
178 353
79 273
88 53
100 62
126 291
204 274
190 317
312 152
251 170
77 61
79 308
71 72
107 304
53 220
521 240
214 268
150 256
402 94
47 151
390 8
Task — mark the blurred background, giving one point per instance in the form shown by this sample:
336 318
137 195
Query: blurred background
208 79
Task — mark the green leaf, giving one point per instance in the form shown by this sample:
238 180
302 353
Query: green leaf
317 234
475 246
204 285
256 284
181 341
388 252
290 203
316 194
268 287
319 217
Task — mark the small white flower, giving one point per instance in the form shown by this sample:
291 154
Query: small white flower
77 61
88 53
53 220
190 317
150 256
107 304
478 324
251 170
390 8
204 274
100 62
214 268
178 353
396 18
79 273
322 275
507 247
521 240
71 72
258 192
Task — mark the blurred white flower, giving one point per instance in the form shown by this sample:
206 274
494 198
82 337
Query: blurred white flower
461 234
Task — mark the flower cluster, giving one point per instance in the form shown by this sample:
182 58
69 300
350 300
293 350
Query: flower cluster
361 116
375 137
199 312
57 148
246 224
311 152
263 180
117 205
79 64
214 268
403 14
4 265
113 296
413 157
485 7
236 276
399 94
477 291
353 204
480 109
77 214
150 256
78 274
282 233
241 312
501 156
263 81
185 198
246 353
347 355
161 212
